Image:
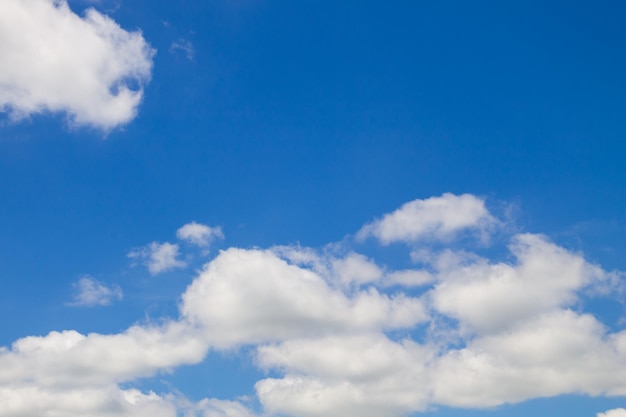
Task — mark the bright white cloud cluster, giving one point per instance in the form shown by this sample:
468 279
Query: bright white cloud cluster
434 218
56 61
91 292
70 374
253 296
343 335
163 257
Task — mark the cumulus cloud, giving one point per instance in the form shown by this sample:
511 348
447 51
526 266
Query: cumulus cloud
356 268
71 374
199 234
438 218
102 402
561 352
544 277
88 68
91 292
360 375
342 336
71 359
159 257
253 296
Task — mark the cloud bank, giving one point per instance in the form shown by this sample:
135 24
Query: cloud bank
342 334
87 68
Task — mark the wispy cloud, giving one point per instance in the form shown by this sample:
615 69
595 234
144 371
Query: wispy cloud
158 257
90 292
184 46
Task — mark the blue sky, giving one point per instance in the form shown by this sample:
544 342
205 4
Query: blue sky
303 209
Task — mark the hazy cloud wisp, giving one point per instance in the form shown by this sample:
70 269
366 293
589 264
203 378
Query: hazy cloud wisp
91 292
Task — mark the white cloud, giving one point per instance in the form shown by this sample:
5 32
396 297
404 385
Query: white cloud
252 296
617 412
88 68
360 375
91 292
159 257
71 374
212 407
109 401
341 337
71 359
433 218
545 277
557 353
199 234
356 268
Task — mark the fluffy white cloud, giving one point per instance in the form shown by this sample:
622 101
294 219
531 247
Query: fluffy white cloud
356 268
71 359
544 277
56 61
199 234
109 401
71 374
252 296
433 218
159 257
558 353
617 412
91 292
360 375
340 336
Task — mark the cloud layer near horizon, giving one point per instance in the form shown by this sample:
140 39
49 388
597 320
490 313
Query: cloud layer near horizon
88 68
344 335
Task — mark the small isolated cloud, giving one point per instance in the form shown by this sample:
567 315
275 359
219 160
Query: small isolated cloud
199 234
617 412
87 68
158 257
90 292
184 46
439 218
